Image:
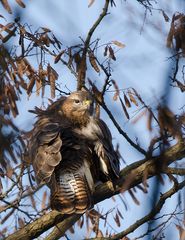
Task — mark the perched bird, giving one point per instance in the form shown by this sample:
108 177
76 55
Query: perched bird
71 150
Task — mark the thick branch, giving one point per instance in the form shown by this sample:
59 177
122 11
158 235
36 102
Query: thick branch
130 176
60 228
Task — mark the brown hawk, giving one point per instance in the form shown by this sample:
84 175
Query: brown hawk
71 151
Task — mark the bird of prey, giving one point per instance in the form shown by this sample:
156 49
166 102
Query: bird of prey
71 150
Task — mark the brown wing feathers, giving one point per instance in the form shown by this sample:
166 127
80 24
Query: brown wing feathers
45 146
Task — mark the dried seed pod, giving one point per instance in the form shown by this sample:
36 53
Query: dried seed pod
93 62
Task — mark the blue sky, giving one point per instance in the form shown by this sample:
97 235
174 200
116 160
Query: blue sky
142 64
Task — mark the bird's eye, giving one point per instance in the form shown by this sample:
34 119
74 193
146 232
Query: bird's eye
77 101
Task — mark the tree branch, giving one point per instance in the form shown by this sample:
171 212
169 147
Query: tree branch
61 228
82 68
136 146
130 176
176 171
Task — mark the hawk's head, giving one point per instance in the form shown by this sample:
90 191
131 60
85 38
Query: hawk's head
77 107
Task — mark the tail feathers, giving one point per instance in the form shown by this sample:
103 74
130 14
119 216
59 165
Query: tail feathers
72 194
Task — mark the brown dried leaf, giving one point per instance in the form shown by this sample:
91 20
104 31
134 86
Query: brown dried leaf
111 53
44 198
12 105
6 109
11 34
81 222
94 213
117 220
46 29
20 68
145 177
71 229
127 102
161 179
77 59
2 174
118 44
132 99
21 4
11 90
96 92
180 85
134 197
119 213
124 109
31 85
82 71
139 116
33 201
9 171
52 77
2 16
44 39
57 58
181 232
166 18
93 62
105 51
149 120
1 186
177 32
38 86
143 189
7 27
29 70
116 95
100 234
91 3
6 6
42 76
167 120
21 222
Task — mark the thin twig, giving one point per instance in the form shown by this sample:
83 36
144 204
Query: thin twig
81 73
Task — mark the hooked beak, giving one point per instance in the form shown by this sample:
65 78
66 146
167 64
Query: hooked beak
87 102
